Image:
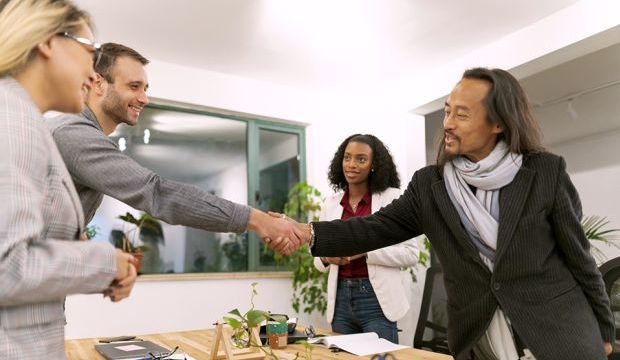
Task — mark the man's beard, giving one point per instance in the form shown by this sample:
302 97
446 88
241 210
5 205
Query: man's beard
113 107
451 156
443 156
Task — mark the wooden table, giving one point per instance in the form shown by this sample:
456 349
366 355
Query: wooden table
197 344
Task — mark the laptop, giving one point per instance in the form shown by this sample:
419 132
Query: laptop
129 349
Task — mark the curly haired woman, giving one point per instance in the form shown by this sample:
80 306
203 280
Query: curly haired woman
365 293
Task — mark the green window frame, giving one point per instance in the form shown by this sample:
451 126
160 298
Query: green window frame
254 124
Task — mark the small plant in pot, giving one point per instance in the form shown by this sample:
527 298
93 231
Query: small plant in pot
129 241
242 325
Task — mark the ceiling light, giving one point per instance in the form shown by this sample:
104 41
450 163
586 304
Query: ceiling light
571 110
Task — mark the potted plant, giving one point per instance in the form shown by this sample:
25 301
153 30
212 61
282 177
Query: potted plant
236 252
309 284
133 240
242 325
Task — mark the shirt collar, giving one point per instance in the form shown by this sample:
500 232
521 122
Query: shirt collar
364 200
88 113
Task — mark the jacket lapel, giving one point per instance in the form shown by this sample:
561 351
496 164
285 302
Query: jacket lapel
376 203
451 216
334 209
512 199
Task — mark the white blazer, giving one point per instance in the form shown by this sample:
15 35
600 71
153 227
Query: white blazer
384 265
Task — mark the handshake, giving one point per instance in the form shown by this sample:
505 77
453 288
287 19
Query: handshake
125 277
279 232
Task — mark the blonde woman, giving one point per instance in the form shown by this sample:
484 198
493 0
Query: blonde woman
46 52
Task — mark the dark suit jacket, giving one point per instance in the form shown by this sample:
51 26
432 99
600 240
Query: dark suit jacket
545 279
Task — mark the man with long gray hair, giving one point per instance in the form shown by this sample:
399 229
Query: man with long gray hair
503 218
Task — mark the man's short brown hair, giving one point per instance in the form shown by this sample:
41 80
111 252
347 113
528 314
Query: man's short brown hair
106 58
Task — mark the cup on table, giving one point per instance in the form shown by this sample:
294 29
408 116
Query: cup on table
277 334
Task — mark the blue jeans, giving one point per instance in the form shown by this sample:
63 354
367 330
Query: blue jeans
357 310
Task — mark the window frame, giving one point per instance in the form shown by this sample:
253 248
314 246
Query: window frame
254 123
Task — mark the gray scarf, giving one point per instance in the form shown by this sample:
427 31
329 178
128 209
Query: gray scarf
479 212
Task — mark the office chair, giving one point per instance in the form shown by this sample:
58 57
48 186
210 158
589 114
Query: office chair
431 332
611 276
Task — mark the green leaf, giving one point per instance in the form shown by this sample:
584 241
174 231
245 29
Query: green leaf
595 229
255 317
279 318
234 323
236 312
128 217
91 231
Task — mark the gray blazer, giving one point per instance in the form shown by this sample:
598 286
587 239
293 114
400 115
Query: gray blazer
39 214
98 167
545 279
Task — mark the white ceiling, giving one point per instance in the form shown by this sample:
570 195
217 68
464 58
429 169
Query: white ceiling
572 100
315 45
355 45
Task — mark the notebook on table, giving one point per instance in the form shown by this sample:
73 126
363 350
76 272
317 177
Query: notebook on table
358 344
129 349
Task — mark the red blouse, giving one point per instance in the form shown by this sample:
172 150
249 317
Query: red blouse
356 268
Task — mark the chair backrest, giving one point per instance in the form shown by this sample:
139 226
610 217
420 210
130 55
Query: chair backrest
431 332
611 276
610 272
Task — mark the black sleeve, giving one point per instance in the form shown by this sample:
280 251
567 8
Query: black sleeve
572 241
397 222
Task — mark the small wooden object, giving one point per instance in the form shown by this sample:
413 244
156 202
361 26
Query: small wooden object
223 335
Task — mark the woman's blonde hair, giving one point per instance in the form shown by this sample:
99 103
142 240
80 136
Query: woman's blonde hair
24 24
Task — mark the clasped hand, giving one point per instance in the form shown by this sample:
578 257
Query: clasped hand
125 279
279 232
341 260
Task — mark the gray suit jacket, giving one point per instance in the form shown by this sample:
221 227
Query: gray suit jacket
39 215
545 279
98 167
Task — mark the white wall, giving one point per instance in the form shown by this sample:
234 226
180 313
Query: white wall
594 168
168 306
171 306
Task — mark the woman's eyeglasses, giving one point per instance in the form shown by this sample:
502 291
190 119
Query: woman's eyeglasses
92 45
